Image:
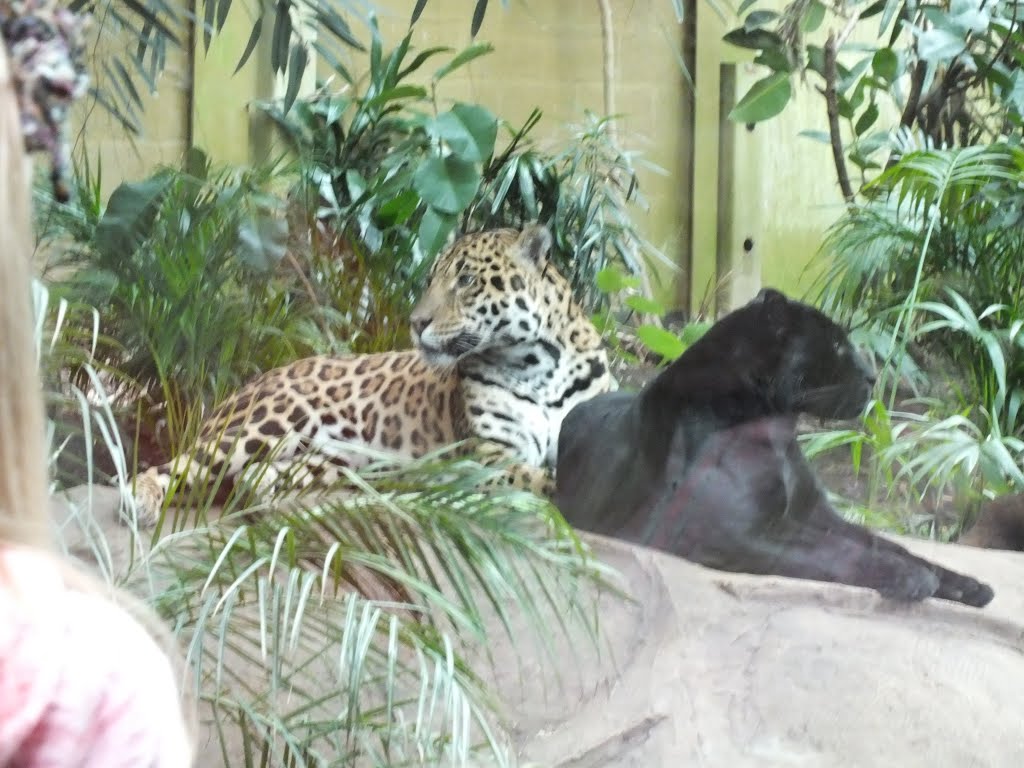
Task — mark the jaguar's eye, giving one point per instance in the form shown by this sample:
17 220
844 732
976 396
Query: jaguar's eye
465 280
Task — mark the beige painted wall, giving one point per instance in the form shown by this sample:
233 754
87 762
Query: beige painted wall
165 120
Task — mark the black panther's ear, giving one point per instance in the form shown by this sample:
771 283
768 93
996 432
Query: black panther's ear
768 295
535 245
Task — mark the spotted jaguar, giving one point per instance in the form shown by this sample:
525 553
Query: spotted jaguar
502 353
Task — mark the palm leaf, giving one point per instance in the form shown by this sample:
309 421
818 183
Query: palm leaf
276 606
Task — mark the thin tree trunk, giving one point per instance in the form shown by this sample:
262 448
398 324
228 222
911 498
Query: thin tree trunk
611 110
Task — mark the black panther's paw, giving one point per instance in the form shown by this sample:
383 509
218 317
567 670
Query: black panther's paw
911 585
964 589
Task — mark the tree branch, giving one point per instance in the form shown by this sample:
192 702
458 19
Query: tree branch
832 108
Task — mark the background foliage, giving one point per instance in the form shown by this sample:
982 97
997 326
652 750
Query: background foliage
926 263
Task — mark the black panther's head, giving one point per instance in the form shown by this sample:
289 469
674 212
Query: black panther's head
806 361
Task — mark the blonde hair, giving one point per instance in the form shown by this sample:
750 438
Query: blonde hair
24 496
24 483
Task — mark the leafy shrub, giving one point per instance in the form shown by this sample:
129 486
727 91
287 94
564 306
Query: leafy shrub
188 268
387 175
931 265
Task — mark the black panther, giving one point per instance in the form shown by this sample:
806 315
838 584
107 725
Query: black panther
703 462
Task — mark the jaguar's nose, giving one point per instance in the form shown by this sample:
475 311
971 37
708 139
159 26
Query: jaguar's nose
419 324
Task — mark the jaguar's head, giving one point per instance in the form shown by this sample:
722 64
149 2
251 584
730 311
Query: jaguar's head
484 291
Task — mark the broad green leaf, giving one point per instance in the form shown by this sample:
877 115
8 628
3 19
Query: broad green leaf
1013 92
816 59
435 226
862 160
398 209
661 342
845 107
776 59
967 16
130 214
755 39
463 57
355 182
885 64
866 120
765 99
469 130
447 184
612 280
853 77
644 305
937 45
758 19
196 163
692 332
813 16
263 240
821 137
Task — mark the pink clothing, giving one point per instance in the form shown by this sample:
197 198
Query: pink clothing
82 684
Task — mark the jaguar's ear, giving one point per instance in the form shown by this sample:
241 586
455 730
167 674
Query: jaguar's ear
535 245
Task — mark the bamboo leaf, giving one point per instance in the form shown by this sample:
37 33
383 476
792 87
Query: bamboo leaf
209 19
282 36
250 46
223 8
765 99
337 26
296 69
126 78
417 11
478 17
462 58
152 18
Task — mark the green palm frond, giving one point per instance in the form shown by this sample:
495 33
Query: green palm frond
956 182
359 610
